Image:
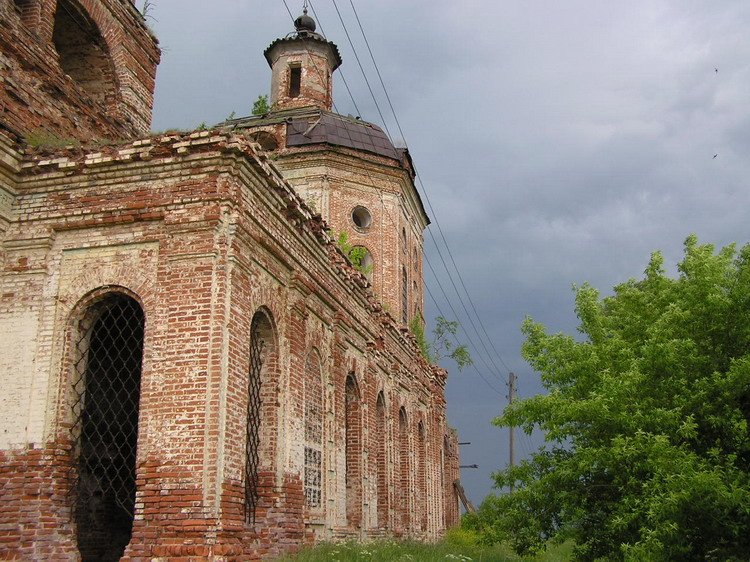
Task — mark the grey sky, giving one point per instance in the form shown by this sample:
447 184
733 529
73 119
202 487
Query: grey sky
559 142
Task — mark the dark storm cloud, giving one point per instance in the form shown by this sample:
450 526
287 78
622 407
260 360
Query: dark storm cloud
558 142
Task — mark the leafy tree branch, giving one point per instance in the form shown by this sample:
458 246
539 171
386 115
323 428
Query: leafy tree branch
442 344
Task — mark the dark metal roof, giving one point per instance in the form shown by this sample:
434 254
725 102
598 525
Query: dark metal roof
310 125
342 131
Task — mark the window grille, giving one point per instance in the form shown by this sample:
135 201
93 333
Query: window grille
382 467
403 434
252 443
313 398
105 403
353 452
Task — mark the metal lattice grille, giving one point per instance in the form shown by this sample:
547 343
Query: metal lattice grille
252 443
313 433
106 396
313 474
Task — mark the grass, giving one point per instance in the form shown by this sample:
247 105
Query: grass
44 139
452 549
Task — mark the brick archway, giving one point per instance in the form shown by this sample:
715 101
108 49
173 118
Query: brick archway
105 403
83 53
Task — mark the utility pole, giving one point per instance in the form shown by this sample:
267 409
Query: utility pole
511 440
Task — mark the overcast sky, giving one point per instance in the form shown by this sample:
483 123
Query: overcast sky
558 142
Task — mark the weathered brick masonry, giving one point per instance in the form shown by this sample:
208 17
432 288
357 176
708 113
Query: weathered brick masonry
191 369
82 69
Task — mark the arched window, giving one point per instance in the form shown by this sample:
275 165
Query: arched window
313 407
262 347
422 476
362 259
82 51
353 432
403 468
443 465
266 140
106 393
381 458
404 296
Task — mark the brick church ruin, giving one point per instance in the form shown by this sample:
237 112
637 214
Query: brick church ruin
191 368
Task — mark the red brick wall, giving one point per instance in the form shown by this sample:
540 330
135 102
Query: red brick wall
37 94
204 233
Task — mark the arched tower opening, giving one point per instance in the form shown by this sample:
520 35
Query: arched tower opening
26 9
106 399
83 53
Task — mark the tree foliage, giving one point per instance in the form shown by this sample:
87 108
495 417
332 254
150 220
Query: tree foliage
356 254
441 345
260 106
646 420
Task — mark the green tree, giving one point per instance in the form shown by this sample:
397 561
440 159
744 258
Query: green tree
646 420
260 106
442 344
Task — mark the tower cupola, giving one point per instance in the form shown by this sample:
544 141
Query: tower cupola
302 65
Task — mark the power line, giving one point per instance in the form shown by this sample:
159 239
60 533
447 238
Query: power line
356 56
343 79
432 210
440 255
385 210
377 70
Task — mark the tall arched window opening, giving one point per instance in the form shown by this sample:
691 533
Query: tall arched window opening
83 54
403 469
443 464
422 476
382 461
353 431
404 296
262 346
313 400
106 401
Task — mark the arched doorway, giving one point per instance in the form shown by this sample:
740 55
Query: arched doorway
106 403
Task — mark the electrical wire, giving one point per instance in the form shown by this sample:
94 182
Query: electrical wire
393 221
424 192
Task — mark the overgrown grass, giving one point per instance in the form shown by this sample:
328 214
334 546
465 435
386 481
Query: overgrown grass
458 546
44 139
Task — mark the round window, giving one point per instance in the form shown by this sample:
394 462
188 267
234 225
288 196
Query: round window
361 217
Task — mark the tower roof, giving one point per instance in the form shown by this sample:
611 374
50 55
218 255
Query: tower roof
304 31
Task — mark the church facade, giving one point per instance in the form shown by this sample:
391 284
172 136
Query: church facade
192 367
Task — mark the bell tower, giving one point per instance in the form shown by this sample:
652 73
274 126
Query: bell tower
302 65
345 168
